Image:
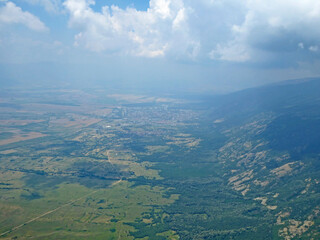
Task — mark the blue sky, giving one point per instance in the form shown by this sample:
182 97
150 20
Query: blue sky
212 45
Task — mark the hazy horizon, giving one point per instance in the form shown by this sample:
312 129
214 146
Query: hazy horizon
202 46
160 119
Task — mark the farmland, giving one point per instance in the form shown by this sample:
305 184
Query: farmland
101 165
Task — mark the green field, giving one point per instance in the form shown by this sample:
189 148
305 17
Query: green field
124 167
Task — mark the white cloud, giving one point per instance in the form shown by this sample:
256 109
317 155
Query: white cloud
314 48
52 6
148 33
231 52
10 13
301 45
272 26
228 30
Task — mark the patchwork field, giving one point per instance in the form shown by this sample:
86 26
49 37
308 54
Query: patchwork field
96 165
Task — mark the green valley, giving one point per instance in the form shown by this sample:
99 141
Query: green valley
104 165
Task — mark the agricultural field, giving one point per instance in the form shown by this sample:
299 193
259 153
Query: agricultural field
104 165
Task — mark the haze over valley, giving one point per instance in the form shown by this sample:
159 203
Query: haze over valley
160 119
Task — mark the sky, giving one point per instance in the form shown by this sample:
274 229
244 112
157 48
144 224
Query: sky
204 45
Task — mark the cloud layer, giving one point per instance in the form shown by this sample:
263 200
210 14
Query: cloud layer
159 30
230 30
10 13
273 27
51 6
273 32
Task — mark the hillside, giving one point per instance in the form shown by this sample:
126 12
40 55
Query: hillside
100 165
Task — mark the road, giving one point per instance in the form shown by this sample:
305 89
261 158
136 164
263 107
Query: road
51 211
